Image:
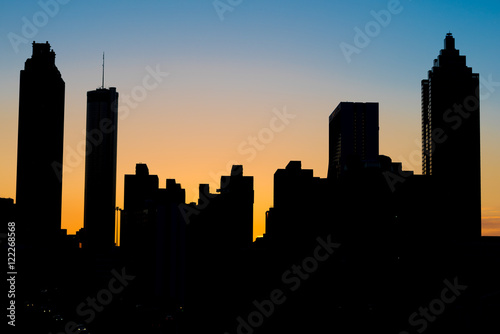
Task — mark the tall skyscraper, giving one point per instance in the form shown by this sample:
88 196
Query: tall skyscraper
40 147
100 168
353 136
451 138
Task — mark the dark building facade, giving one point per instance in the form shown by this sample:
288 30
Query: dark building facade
451 138
170 252
40 146
237 191
140 195
100 168
299 205
153 236
226 218
219 239
353 136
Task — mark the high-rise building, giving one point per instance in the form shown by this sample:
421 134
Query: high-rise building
451 137
140 198
170 248
226 219
353 136
298 205
237 194
40 147
100 168
153 235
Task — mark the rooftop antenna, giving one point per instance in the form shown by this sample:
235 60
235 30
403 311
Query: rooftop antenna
102 71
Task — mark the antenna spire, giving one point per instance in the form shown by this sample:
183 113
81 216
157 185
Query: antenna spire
102 71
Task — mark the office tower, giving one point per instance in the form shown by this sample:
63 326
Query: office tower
301 205
238 194
153 236
170 246
227 218
40 147
219 240
138 226
353 137
450 138
141 190
100 168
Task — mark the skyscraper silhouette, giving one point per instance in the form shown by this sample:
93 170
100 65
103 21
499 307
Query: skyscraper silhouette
353 136
298 198
451 138
100 168
140 197
153 236
40 147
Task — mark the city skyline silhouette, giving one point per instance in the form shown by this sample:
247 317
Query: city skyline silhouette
237 95
186 260
315 222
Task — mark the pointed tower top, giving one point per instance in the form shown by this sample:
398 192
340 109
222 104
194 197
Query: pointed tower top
449 42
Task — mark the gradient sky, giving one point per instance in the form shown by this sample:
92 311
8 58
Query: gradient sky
230 72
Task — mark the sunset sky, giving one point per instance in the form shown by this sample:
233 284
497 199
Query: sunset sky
202 83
